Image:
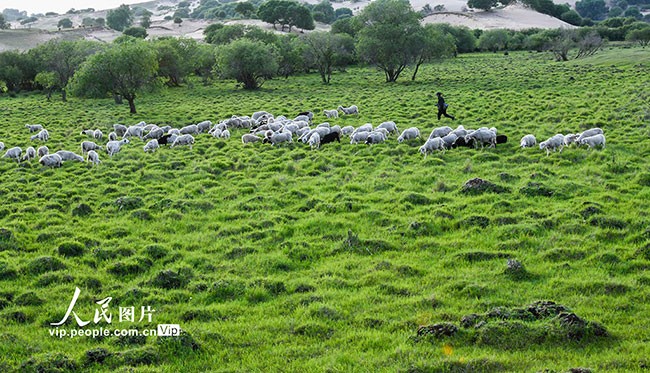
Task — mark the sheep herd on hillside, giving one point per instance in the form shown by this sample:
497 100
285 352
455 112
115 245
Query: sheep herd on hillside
264 127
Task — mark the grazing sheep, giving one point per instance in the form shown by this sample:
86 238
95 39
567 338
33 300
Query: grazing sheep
450 140
98 134
330 137
376 137
291 127
593 141
570 138
149 127
13 153
460 131
347 130
204 126
300 118
93 157
174 131
113 147
335 128
280 137
42 150
314 140
331 113
216 133
588 133
390 126
225 134
2 146
185 139
528 141
349 110
165 129
248 138
89 133
430 145
365 128
192 129
324 124
133 131
43 135
440 132
86 146
302 131
259 114
50 160
142 124
155 133
112 136
358 137
34 127
69 156
502 139
119 129
308 114
483 136
408 134
554 142
30 153
382 130
167 139
219 126
151 146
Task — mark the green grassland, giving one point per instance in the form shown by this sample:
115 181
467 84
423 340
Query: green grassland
286 259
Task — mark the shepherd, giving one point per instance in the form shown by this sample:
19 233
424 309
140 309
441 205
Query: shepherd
442 107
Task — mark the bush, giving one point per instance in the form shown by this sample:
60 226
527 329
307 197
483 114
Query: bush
70 249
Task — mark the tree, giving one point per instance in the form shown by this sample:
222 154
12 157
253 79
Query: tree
63 59
120 18
248 62
246 9
571 17
47 80
64 23
464 38
290 51
145 21
178 21
124 70
17 70
299 16
136 32
324 50
346 25
324 12
343 12
592 9
482 4
641 36
177 59
286 13
434 45
4 25
494 40
633 12
390 38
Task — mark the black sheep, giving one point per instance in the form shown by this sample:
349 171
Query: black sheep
330 137
163 140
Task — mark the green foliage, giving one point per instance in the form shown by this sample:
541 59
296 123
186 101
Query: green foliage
4 25
641 36
434 45
572 17
17 70
64 23
248 62
136 32
324 12
325 50
120 18
482 4
346 25
465 40
145 21
177 59
245 8
286 13
494 40
28 20
592 9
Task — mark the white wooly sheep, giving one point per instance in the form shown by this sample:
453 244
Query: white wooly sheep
314 140
185 139
376 137
174 131
349 110
248 138
301 123
192 129
554 142
155 133
440 132
431 145
133 131
30 153
336 128
460 131
98 134
34 127
2 146
225 134
365 128
291 127
112 136
259 114
170 140
219 126
322 132
571 138
588 133
69 156
149 127
280 137
275 126
43 135
87 146
593 141
302 131
324 124
347 130
151 146
42 150
204 126
382 130
113 147
51 160
484 136
89 133
119 129
246 122
13 153
358 137
331 113
390 126
450 140
93 157
216 133
528 141
233 121
165 128
408 134
302 117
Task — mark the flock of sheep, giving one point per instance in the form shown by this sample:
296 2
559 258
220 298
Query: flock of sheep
266 128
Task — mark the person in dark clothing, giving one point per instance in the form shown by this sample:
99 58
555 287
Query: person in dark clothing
442 107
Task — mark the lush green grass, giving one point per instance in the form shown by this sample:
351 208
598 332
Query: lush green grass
296 260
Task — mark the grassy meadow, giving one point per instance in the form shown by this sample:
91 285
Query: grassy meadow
287 259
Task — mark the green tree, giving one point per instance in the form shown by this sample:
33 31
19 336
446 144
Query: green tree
290 51
4 25
145 21
64 23
177 59
346 25
286 13
641 36
571 17
47 80
343 12
482 4
435 45
204 60
126 70
464 37
494 40
248 62
633 12
136 32
324 50
324 12
246 9
592 9
120 18
390 36
178 21
299 16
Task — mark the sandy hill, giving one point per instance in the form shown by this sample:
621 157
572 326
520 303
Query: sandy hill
23 37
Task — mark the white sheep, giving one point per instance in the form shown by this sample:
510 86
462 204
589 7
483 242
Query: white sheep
460 131
248 138
51 160
528 141
331 113
450 140
280 137
113 147
314 140
225 134
349 110
593 141
192 129
365 128
119 129
430 145
390 126
30 153
408 134
588 133
133 131
174 131
301 117
302 131
204 126
43 135
151 146
185 139
89 133
13 153
216 133
69 156
376 137
554 142
259 114
2 146
358 137
484 136
42 150
112 136
440 132
347 130
571 138
324 124
34 127
86 146
93 157
98 134
155 133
